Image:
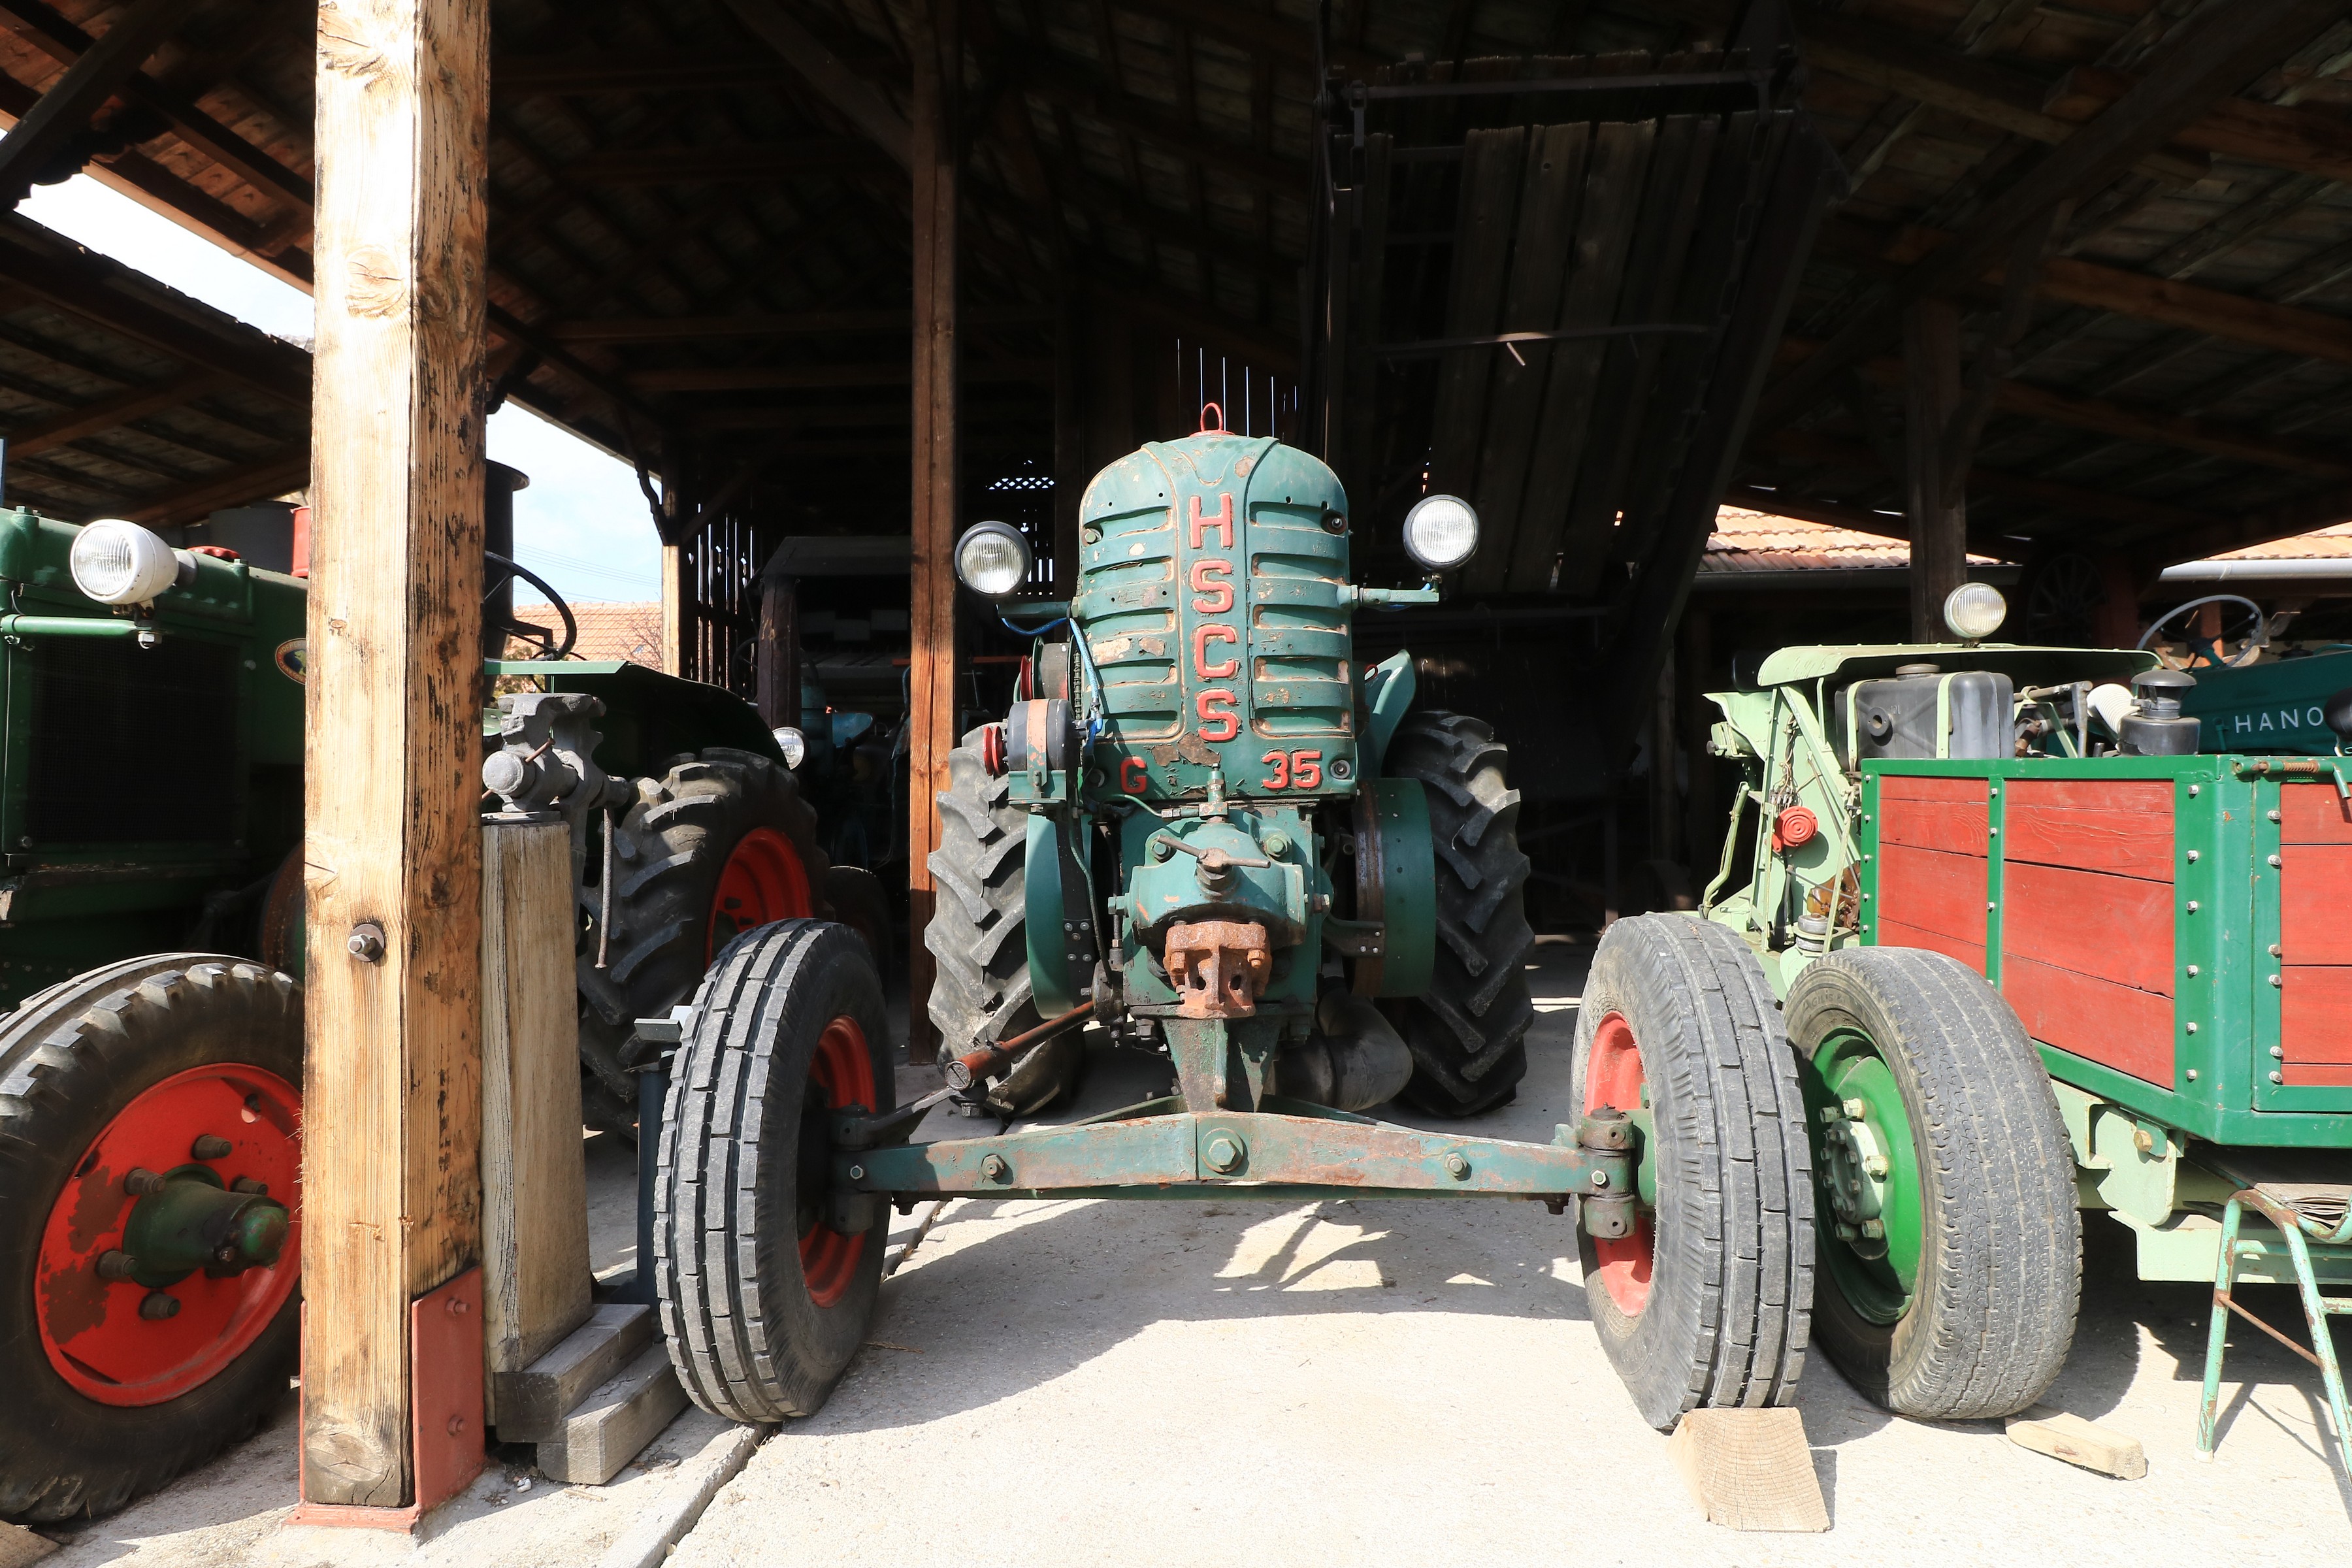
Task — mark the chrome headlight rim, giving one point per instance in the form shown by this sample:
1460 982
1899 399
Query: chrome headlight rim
1974 611
1435 510
981 534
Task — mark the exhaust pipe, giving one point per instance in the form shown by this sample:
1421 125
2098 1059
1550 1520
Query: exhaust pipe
1355 1059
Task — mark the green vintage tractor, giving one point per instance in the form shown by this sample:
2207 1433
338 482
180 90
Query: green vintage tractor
2039 952
1205 830
150 818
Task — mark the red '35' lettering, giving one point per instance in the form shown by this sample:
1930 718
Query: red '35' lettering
1218 721
1222 522
1293 769
1213 580
1202 637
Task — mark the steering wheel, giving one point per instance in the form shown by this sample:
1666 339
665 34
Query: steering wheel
524 628
2256 635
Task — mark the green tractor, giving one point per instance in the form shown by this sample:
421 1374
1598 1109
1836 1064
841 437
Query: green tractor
1204 829
2038 954
150 947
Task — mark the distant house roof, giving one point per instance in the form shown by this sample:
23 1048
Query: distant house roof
630 633
1748 543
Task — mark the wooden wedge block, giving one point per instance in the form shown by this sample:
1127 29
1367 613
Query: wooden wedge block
20 1547
532 1403
1750 1469
2078 1442
617 1423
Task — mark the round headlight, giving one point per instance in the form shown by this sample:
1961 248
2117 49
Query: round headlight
1974 611
991 558
119 563
1441 533
794 744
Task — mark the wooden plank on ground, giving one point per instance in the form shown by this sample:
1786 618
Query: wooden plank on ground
617 1421
393 1095
2078 1442
535 1272
1750 1469
1605 239
532 1403
1491 164
20 1548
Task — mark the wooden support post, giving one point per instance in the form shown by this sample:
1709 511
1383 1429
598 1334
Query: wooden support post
1938 510
777 656
931 701
393 1096
535 1270
674 618
1665 795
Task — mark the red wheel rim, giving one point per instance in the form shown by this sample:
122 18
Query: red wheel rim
1612 1077
840 1075
90 1326
762 881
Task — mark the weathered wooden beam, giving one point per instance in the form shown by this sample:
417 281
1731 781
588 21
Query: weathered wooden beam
2129 422
1083 93
391 1109
782 324
1936 502
739 164
853 96
65 112
591 71
811 377
2276 135
935 162
2215 53
107 412
2083 501
272 475
1288 39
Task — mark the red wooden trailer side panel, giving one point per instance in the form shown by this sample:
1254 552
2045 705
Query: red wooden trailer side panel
2314 937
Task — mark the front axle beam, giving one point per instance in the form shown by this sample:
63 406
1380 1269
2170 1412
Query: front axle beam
1233 1153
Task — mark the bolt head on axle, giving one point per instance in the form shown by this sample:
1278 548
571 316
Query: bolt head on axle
1225 1152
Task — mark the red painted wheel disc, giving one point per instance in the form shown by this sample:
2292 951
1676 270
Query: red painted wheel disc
90 1326
762 881
840 1075
1612 1077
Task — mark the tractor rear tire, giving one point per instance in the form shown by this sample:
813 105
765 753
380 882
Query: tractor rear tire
1709 1301
1968 1311
104 1404
789 1027
978 935
721 844
1468 1031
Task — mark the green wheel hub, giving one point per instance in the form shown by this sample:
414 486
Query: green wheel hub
1866 1174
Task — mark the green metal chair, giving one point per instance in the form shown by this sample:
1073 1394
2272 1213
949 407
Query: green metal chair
2306 1215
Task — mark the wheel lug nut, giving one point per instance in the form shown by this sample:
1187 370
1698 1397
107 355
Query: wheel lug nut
141 1180
1877 1167
1856 1111
116 1264
159 1305
209 1146
1875 1229
248 1184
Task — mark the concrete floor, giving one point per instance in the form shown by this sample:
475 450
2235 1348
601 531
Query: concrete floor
1340 1382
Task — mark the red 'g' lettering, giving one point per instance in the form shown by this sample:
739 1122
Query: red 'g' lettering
1132 775
1222 522
1216 596
1218 721
1202 637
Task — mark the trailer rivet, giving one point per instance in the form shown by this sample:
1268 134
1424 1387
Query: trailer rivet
2192 1028
2192 856
2278 1053
993 1167
2274 816
2275 951
2192 972
2192 1071
1457 1167
2277 862
2277 1078
2274 980
2192 906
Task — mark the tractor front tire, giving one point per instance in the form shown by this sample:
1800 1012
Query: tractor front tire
127 1067
789 1028
1468 1031
720 844
1707 1301
978 935
1962 1306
